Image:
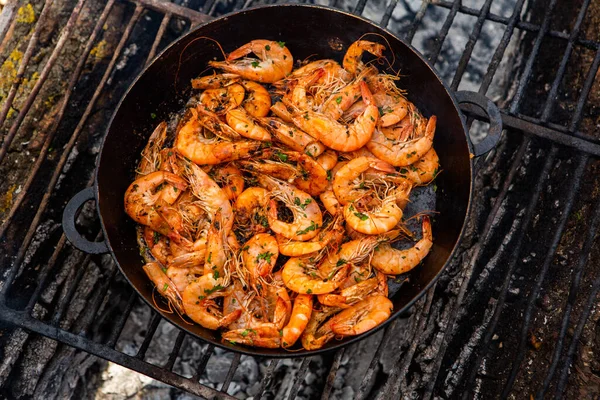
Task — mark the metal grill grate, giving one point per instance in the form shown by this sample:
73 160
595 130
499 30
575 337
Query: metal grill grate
503 237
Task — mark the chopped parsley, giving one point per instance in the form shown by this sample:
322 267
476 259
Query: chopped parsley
300 204
281 44
153 115
363 217
265 256
329 177
338 99
255 64
214 289
209 257
216 274
308 291
156 237
165 287
281 156
268 48
310 228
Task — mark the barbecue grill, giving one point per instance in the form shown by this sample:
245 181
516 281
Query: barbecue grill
513 316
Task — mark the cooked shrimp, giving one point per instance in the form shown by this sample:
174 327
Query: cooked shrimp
424 170
293 137
362 316
352 59
191 144
298 321
157 244
214 81
298 279
338 136
393 108
298 97
198 304
259 255
342 99
394 262
328 160
210 196
350 295
345 184
376 220
261 336
281 111
221 100
250 209
308 218
183 276
143 203
352 252
316 334
401 154
310 176
332 68
243 123
274 61
258 100
230 178
188 260
330 202
328 198
164 286
151 159
332 233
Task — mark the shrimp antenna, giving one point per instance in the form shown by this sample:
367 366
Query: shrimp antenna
189 44
388 46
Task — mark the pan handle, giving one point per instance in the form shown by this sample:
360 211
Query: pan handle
68 223
493 136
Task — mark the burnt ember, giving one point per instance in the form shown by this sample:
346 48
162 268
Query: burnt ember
513 316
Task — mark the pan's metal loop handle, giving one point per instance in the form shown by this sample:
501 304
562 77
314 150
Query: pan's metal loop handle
488 106
68 223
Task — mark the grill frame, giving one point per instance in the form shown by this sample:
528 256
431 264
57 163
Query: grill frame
567 135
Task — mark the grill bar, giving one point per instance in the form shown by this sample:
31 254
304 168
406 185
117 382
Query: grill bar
439 41
521 349
564 61
195 17
159 35
583 259
96 303
585 91
593 230
516 102
523 25
120 324
335 366
370 373
393 383
268 376
466 56
299 378
53 129
43 276
42 207
175 352
33 41
234 364
203 361
22 320
69 291
42 79
479 353
150 330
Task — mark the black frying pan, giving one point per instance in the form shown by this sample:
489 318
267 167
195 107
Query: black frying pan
164 86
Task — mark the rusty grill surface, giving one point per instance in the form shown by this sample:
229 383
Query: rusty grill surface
476 332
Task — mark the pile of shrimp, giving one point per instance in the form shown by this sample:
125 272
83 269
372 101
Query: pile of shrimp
269 212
